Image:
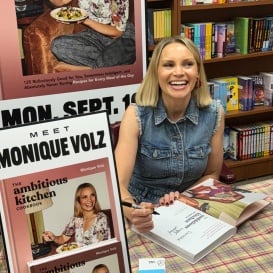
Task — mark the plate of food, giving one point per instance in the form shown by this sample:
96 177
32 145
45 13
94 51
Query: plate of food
67 247
68 14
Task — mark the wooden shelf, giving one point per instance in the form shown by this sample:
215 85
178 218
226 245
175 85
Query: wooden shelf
225 6
251 168
259 113
231 65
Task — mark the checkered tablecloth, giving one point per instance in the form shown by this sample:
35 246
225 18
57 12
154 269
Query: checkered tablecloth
249 251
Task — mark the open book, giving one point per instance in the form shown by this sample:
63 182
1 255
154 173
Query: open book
203 218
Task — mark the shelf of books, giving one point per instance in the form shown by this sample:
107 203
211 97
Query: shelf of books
235 40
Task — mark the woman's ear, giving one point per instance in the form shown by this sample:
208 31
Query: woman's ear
198 83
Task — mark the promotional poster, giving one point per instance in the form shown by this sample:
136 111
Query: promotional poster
44 177
31 72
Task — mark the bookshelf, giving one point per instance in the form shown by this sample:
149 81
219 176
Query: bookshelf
234 64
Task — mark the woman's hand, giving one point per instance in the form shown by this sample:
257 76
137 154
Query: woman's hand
48 236
169 198
142 218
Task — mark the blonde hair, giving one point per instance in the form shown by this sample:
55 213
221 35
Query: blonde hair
149 91
99 266
77 205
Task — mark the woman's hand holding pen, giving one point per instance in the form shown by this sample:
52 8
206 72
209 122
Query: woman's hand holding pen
141 217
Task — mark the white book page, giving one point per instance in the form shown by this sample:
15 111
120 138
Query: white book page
187 227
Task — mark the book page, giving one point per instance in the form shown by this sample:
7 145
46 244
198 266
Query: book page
187 231
223 201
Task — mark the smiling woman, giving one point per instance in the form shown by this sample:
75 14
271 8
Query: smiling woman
172 137
88 225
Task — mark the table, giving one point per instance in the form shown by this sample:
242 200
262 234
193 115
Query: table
249 251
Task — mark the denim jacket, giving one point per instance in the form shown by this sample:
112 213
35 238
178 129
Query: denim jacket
171 155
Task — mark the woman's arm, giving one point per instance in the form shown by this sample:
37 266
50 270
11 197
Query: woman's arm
49 236
125 155
108 30
215 159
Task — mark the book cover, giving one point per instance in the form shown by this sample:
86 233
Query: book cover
218 92
225 202
39 72
221 38
44 177
230 85
258 87
241 30
268 30
268 87
267 79
230 42
245 93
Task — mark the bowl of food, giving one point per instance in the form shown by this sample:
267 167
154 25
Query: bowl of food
68 14
67 247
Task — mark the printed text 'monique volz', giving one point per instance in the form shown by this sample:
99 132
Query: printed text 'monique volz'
50 149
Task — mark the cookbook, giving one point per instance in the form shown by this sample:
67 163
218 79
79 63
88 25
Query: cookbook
41 172
203 218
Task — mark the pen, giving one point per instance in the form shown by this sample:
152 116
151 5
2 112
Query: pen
135 206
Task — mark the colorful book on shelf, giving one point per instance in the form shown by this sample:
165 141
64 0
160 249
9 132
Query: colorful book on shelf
241 31
196 34
258 87
205 216
221 38
270 39
218 92
268 34
41 174
230 42
268 87
213 40
245 93
230 85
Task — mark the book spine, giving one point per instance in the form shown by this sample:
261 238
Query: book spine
221 38
208 43
243 94
213 40
250 36
271 138
266 138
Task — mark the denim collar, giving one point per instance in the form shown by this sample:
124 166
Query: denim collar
192 112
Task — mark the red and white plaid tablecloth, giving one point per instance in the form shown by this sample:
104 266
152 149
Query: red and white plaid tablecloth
249 251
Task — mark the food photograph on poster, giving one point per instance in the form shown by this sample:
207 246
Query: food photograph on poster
53 48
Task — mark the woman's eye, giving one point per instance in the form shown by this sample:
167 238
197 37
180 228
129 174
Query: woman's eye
188 64
168 65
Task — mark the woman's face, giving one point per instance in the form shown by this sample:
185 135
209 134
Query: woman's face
87 199
177 72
